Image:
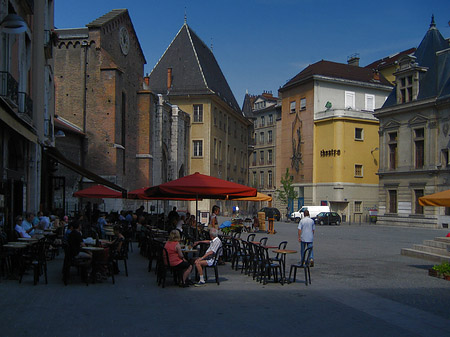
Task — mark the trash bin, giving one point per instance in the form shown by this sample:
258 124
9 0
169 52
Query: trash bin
262 221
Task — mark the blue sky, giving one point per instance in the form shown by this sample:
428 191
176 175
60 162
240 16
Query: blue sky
261 44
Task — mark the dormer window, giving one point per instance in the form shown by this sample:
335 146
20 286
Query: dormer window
407 79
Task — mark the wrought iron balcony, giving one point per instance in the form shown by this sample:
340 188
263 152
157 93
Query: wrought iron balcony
9 88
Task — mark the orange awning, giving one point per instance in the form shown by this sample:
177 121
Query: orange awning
436 199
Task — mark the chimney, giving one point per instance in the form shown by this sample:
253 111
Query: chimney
147 80
169 78
353 60
376 75
267 94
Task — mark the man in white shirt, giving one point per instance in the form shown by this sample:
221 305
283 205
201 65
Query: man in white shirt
306 229
208 258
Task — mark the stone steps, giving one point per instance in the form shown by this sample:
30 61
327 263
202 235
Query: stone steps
437 250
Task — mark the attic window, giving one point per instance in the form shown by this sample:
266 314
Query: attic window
406 89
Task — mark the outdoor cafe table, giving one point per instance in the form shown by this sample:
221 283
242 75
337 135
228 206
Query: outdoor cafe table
283 253
27 239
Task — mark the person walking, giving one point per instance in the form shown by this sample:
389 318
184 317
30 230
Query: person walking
306 229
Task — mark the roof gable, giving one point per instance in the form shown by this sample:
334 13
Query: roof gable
194 69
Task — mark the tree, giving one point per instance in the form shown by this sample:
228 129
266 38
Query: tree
287 191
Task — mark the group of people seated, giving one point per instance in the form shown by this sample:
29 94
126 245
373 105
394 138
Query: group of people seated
28 225
176 256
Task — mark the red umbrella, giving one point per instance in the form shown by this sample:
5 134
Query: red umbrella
140 194
200 186
98 191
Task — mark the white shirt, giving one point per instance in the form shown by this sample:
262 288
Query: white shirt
22 232
307 227
214 246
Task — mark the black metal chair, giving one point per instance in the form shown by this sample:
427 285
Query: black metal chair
122 255
305 264
82 266
268 268
214 266
164 266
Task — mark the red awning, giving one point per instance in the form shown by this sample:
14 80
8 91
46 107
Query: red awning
200 186
140 194
97 191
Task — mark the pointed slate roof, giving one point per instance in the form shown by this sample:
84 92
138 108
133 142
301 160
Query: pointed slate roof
195 70
432 53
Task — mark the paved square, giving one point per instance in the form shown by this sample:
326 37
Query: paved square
361 286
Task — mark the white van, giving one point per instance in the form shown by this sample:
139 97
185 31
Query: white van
313 211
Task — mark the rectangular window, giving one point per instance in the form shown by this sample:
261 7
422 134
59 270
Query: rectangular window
269 137
270 179
198 113
419 148
269 157
254 159
261 138
445 161
261 157
254 179
302 103
392 150
350 100
198 148
358 170
370 102
358 206
270 119
261 179
263 122
215 151
292 107
392 201
359 134
418 208
219 155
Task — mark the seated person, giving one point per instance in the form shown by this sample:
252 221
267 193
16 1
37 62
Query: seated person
28 224
21 233
180 223
208 258
176 257
75 242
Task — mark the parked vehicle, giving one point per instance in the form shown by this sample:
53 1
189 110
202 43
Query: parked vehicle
313 211
328 218
276 213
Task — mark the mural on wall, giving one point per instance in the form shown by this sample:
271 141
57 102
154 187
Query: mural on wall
296 159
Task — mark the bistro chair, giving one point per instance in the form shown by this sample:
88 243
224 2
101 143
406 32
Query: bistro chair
122 255
214 266
251 237
305 264
263 241
278 257
82 266
268 267
165 266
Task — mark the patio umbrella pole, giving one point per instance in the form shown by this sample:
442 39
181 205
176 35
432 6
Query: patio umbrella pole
196 214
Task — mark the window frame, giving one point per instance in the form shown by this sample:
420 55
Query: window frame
366 99
359 167
419 148
361 138
292 107
302 103
349 100
198 113
196 149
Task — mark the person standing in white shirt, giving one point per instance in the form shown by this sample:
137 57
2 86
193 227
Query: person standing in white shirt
306 229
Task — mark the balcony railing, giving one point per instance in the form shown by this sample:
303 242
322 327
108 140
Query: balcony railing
9 88
25 104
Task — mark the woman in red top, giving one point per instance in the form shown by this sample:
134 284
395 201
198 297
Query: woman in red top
176 257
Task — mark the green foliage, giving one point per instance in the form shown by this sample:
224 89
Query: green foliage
443 268
287 191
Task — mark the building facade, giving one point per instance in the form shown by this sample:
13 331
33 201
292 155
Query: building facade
188 76
26 103
329 139
414 136
264 111
101 91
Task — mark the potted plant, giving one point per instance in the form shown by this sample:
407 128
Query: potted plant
441 270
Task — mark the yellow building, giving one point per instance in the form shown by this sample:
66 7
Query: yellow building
189 76
331 138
